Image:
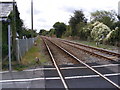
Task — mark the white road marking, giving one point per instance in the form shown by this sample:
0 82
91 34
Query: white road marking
91 76
7 72
97 66
54 78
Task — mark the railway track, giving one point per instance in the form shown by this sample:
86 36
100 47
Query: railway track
97 52
94 48
56 66
66 86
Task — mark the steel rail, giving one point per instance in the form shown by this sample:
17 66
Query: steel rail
94 48
56 66
101 75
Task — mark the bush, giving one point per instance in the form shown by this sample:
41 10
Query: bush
113 37
85 31
99 32
68 32
19 67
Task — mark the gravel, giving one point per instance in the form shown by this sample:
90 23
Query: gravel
46 54
80 54
95 51
60 56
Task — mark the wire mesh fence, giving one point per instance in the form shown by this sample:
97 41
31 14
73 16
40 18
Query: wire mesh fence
23 45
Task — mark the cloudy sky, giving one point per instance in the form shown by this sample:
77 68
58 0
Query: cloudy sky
47 12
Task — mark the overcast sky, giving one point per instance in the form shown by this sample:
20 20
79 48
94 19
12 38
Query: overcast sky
47 12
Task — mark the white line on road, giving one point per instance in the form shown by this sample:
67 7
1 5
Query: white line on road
53 78
97 66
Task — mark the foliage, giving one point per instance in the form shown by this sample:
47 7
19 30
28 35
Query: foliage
60 28
80 30
16 23
51 32
35 51
16 27
4 50
92 43
84 33
116 24
68 31
118 16
4 33
28 33
99 32
43 32
75 20
106 17
98 29
113 37
19 28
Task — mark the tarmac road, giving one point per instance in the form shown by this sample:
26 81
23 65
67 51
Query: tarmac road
82 82
76 77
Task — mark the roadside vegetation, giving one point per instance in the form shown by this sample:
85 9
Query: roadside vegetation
92 43
35 51
103 28
18 30
28 60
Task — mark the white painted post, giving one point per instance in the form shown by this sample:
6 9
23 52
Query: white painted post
18 50
26 45
9 47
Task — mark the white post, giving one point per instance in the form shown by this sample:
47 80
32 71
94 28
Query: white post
18 50
26 44
9 48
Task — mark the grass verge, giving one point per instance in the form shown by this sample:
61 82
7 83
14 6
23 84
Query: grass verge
28 60
109 47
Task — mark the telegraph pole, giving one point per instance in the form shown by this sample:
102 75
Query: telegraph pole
119 8
32 17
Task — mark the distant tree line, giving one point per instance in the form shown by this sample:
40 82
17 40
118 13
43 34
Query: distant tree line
103 27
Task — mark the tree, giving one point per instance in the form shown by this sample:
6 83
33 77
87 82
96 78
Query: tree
78 17
43 32
51 32
19 29
84 32
106 17
60 28
28 33
68 31
16 27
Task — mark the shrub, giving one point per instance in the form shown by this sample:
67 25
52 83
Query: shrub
99 31
113 37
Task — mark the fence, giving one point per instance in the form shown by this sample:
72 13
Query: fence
23 45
